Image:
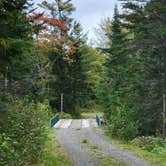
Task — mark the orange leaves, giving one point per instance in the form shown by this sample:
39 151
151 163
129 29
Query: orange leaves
73 49
49 21
54 37
47 45
71 52
47 36
41 44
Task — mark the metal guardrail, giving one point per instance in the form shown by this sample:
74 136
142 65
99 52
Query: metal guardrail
54 120
98 120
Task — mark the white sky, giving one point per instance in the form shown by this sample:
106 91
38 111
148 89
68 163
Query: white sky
90 12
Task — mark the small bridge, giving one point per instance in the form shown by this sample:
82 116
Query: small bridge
76 123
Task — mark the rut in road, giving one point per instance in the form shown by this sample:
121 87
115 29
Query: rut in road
72 133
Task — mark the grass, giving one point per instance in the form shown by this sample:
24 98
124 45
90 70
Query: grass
53 153
110 161
152 158
104 160
84 141
91 112
90 115
94 147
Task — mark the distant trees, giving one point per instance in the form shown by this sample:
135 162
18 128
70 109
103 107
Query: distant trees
62 39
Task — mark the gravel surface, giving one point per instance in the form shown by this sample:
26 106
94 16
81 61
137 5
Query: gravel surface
80 135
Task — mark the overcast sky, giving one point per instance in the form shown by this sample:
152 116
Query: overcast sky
90 12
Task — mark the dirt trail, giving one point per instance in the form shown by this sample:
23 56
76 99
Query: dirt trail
79 136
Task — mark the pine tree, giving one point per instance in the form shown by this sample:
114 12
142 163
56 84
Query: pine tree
116 87
147 22
15 42
66 76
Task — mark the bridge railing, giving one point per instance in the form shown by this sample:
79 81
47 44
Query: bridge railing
98 120
54 120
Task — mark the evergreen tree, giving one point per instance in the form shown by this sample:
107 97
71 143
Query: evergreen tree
117 84
15 44
147 21
66 74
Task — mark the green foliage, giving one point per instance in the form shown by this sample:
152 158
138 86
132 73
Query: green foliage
22 127
116 84
152 144
65 115
65 75
132 86
92 66
143 22
53 153
128 79
84 141
16 44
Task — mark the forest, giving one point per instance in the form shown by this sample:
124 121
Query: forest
45 54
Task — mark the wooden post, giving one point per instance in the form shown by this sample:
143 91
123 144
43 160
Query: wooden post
6 78
61 102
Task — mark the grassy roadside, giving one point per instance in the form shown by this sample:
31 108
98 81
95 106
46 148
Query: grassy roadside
151 157
104 160
54 154
108 160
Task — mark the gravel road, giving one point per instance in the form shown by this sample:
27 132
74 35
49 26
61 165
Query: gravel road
78 136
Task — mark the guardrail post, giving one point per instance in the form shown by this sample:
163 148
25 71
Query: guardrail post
98 120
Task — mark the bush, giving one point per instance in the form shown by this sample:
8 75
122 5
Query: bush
22 129
151 144
121 123
65 115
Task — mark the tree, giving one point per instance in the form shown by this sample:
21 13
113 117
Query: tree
147 21
93 67
15 42
63 40
116 86
102 31
20 131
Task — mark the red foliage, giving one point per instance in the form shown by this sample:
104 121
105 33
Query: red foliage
47 20
41 44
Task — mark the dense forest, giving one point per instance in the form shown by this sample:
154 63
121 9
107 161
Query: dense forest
45 54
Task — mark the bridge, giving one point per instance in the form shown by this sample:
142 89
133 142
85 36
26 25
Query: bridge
76 123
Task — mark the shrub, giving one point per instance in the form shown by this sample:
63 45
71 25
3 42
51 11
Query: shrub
65 115
22 131
121 123
151 144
